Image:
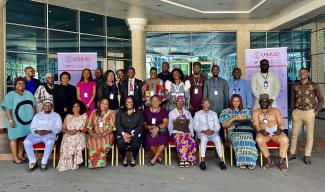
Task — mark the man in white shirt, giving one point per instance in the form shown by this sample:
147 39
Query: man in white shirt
44 127
206 125
265 82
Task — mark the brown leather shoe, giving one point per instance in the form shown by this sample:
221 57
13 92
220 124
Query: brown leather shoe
307 160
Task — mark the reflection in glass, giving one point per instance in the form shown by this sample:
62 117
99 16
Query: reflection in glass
62 42
92 23
26 12
26 39
117 28
62 18
93 44
118 48
16 63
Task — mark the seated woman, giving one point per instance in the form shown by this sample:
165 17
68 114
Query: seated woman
156 134
129 125
180 126
100 127
243 142
73 142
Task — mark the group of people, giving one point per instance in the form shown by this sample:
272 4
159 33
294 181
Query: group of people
129 113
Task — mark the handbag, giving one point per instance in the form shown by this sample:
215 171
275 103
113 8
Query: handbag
243 126
181 124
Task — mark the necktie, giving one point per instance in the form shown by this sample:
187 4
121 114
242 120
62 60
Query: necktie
131 85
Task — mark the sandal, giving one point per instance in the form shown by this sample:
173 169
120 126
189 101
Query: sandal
125 162
243 167
161 161
181 164
187 164
151 164
283 166
43 167
251 167
133 163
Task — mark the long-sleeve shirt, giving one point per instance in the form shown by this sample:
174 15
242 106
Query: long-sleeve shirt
131 124
217 91
307 96
206 120
173 116
242 88
273 119
258 82
46 121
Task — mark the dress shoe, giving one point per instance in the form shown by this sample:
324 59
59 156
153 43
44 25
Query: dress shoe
307 160
203 166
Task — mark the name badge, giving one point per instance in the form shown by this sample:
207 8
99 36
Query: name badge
153 121
266 84
111 96
86 95
216 92
234 91
101 124
131 92
196 91
265 121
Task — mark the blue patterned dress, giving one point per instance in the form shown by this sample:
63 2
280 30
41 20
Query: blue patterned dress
243 142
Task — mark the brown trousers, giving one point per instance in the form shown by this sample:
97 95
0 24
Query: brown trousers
300 118
282 140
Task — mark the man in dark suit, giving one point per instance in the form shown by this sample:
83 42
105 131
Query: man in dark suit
131 86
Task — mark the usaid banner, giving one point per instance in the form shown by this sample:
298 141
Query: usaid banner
278 64
74 63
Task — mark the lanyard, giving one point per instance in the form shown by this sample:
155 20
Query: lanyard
265 78
196 82
265 119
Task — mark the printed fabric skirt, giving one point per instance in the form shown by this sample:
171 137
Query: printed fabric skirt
186 147
245 148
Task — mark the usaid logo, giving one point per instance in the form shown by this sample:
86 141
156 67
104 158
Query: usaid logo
72 59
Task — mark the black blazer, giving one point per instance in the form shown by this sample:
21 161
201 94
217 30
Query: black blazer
138 102
129 124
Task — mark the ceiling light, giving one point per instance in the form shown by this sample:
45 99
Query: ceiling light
211 12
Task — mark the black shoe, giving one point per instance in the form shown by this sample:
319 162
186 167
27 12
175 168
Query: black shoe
43 167
133 163
292 156
203 166
125 162
307 160
32 168
222 165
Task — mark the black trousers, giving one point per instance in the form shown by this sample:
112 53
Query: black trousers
134 146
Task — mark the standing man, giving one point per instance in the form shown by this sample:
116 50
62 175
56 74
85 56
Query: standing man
45 91
307 101
196 90
216 89
120 76
265 82
30 82
99 84
165 74
132 86
241 87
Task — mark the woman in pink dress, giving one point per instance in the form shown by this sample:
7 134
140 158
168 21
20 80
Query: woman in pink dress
86 90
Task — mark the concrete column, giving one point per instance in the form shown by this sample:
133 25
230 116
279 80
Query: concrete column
243 43
2 60
138 36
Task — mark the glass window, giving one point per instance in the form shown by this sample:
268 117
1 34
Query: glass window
118 48
25 39
53 68
62 42
224 37
62 18
258 37
26 12
117 28
16 63
93 44
92 23
157 43
202 38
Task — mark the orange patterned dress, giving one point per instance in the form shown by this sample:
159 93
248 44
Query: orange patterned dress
101 138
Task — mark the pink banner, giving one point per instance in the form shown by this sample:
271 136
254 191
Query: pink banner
74 63
278 64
